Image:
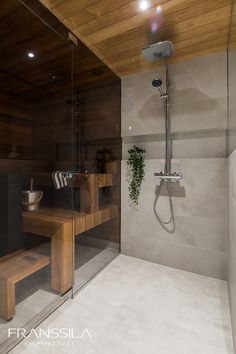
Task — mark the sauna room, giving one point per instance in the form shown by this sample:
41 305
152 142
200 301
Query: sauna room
60 151
118 176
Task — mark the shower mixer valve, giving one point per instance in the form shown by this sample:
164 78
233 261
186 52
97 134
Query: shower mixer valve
176 176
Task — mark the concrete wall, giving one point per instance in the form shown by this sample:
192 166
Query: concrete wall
199 123
232 189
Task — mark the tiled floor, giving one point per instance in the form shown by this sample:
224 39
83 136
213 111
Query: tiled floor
34 293
137 307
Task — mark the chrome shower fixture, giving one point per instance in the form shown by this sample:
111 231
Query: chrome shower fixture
158 83
176 176
162 51
157 51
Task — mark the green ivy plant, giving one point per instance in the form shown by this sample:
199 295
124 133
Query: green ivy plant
135 174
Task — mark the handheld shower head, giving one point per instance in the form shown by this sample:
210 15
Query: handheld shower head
158 83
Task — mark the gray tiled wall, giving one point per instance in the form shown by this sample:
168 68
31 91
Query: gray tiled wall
199 241
232 237
199 123
231 244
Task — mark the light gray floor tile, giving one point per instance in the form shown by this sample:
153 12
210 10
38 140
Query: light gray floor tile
137 307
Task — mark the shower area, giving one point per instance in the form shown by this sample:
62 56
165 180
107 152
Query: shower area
60 153
179 116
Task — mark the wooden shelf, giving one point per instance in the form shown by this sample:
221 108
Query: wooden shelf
106 180
103 179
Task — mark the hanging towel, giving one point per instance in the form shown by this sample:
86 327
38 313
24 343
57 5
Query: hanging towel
59 179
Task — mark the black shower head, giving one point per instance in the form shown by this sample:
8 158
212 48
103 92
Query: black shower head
156 82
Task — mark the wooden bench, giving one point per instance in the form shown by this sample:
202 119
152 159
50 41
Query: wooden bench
61 226
14 268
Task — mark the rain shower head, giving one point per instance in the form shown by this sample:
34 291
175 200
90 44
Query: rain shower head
157 51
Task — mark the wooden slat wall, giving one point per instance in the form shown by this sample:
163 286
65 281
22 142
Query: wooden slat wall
51 111
118 30
15 128
99 119
99 122
21 31
52 128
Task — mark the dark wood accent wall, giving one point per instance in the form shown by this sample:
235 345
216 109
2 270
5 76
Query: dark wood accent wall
52 129
99 119
15 128
98 127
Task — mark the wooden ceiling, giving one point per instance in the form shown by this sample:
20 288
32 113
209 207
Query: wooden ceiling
116 30
232 36
50 71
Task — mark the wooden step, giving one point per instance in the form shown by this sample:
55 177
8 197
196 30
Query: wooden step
14 268
22 264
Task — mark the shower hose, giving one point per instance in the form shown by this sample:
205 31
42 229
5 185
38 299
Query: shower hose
168 225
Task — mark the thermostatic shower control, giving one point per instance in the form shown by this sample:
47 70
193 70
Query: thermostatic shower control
176 176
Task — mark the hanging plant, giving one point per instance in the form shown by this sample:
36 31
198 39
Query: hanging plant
135 175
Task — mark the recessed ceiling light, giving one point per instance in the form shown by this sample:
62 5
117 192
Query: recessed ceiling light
144 5
30 55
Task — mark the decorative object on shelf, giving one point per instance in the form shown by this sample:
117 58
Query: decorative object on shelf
103 156
135 174
31 199
15 153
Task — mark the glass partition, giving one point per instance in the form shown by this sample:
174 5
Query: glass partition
60 153
36 121
97 97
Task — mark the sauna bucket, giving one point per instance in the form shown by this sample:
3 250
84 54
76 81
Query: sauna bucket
31 200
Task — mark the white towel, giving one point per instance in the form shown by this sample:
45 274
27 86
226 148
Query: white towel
59 179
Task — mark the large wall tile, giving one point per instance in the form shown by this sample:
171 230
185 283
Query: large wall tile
193 259
232 282
212 144
198 102
199 203
232 100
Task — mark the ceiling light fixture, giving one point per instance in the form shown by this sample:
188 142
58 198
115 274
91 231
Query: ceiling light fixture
159 9
30 55
144 5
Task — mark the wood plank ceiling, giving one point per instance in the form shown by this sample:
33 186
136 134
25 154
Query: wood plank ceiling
232 35
116 30
50 71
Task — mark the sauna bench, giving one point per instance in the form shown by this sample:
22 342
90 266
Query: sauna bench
14 268
61 226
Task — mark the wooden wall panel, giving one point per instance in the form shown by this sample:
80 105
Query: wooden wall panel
99 119
15 128
49 111
99 122
52 128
